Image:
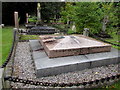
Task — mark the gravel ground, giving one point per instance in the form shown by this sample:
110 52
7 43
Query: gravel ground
24 68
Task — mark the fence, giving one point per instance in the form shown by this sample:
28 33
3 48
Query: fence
7 65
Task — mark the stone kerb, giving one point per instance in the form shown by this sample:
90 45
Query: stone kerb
0 26
1 78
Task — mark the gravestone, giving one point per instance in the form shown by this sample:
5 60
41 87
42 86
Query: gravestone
16 19
27 17
74 28
86 32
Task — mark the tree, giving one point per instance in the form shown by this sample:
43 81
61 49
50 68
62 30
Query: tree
109 18
84 14
51 10
97 16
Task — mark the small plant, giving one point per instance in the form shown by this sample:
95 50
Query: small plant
32 19
70 31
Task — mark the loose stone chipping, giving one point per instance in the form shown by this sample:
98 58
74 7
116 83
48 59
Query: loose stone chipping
24 68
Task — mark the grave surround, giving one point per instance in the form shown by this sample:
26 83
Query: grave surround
46 66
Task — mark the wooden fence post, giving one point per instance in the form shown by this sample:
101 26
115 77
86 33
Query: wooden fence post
16 20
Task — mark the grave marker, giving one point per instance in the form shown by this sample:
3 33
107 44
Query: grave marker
27 17
86 32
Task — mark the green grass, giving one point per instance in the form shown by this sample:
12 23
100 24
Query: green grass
114 40
7 37
115 86
28 37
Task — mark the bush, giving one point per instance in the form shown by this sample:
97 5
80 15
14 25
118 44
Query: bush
71 32
32 19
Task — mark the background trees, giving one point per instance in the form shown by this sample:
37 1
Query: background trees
95 16
49 10
8 9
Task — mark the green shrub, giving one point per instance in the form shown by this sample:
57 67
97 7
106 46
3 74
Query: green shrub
70 31
32 19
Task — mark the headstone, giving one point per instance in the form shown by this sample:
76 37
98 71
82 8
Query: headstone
73 27
1 78
16 19
27 17
86 32
38 12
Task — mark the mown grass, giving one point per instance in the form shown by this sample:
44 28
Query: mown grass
7 37
28 37
115 39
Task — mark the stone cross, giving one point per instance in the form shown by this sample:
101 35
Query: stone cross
86 32
27 17
16 19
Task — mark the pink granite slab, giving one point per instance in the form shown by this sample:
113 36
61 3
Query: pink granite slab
72 45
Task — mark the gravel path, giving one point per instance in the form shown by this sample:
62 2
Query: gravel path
24 68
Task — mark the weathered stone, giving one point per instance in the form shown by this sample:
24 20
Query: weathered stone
1 78
72 45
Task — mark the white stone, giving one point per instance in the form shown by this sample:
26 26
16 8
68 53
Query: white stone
86 32
2 25
1 78
74 28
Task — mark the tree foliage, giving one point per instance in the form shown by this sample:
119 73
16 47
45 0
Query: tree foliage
51 10
91 15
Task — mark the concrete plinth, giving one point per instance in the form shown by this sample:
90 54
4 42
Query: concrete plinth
46 66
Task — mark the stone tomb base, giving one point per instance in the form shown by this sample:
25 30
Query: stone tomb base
46 66
59 46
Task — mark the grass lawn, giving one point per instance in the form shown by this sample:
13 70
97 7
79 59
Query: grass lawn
114 40
115 86
28 37
7 37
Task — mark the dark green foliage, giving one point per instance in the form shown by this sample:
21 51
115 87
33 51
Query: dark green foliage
32 19
91 15
51 10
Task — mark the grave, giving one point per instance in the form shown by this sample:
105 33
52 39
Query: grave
42 30
57 46
47 65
